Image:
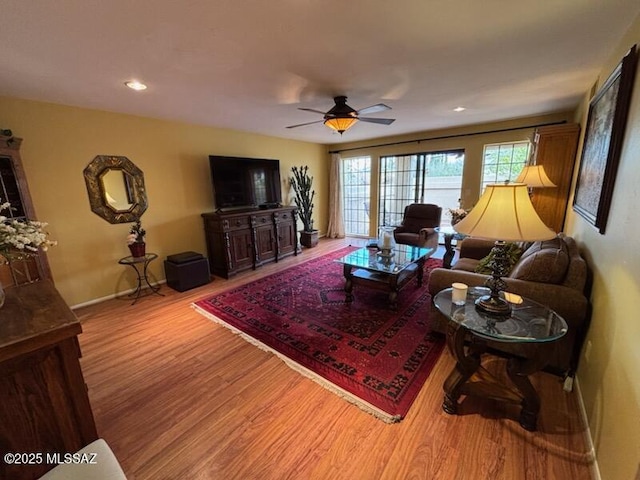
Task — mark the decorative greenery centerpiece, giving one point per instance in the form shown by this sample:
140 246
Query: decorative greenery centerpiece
22 238
302 183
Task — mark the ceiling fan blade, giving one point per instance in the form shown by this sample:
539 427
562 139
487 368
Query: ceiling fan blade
312 110
380 107
383 121
303 124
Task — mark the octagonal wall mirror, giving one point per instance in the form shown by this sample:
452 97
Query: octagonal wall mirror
116 189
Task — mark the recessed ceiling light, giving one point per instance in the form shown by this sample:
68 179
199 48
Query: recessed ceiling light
135 85
459 109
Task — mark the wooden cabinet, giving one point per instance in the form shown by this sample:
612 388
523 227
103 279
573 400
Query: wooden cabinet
45 406
555 149
15 190
241 240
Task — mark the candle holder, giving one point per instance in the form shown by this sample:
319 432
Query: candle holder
386 241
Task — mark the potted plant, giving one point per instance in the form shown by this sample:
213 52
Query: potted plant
301 182
135 240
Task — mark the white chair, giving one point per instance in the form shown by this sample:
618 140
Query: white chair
104 465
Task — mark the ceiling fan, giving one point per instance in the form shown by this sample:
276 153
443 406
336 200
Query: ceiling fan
341 117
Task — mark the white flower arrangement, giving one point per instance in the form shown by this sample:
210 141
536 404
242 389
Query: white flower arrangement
20 238
457 214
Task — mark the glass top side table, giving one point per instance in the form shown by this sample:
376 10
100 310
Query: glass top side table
449 234
140 265
469 334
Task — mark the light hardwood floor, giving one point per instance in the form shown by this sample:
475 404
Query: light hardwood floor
179 397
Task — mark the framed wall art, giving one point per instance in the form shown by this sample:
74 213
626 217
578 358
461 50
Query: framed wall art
604 134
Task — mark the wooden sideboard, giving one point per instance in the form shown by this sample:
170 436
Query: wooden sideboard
555 149
243 240
45 406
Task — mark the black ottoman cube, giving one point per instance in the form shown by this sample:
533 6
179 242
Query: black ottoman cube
186 270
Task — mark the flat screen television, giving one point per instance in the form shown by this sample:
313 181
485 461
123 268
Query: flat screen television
245 182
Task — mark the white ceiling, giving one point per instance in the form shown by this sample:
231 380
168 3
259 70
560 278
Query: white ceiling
249 64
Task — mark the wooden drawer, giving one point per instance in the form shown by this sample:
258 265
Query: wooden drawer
236 223
262 220
282 217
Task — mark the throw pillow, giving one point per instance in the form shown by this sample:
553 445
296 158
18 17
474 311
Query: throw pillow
513 254
544 262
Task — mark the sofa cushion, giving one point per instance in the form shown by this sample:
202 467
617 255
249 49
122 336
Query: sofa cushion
545 262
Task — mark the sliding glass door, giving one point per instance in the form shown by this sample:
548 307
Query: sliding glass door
420 178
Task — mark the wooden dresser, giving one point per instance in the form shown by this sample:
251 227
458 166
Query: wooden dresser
43 397
242 240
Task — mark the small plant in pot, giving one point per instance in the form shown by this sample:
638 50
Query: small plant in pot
301 183
135 240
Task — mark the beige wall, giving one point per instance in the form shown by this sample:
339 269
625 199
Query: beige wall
470 139
608 372
59 142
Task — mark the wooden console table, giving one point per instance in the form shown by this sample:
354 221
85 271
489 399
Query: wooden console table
45 406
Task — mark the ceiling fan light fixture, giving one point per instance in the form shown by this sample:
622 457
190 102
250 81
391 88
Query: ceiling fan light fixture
341 124
341 117
135 85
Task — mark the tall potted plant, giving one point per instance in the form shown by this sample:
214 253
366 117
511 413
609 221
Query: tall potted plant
301 183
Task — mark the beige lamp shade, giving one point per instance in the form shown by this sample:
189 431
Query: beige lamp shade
534 176
505 212
340 124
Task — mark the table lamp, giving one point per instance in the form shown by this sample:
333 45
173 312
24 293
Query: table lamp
504 213
535 177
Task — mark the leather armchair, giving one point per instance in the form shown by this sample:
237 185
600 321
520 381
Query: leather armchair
418 225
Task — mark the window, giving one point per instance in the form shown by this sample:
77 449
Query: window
356 194
503 161
434 177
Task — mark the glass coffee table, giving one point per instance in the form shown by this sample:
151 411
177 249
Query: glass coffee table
369 267
531 326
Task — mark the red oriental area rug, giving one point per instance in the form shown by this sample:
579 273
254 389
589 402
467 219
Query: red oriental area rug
372 356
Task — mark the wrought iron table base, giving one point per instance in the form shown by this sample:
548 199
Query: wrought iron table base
140 265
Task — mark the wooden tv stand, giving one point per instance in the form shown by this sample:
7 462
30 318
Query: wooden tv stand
246 239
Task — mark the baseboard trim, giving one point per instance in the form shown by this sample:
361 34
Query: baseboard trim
591 454
109 297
